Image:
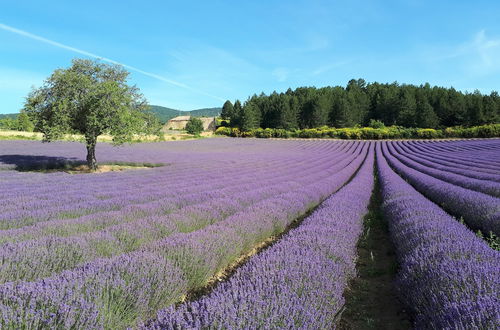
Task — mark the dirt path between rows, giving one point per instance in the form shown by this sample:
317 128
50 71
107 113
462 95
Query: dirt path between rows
371 301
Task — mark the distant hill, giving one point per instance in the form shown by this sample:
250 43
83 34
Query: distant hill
164 114
8 115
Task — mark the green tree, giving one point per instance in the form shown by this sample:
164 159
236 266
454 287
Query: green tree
374 123
357 101
315 112
291 115
250 117
9 123
24 123
475 108
194 126
237 114
340 109
90 98
457 110
227 110
491 108
425 115
407 109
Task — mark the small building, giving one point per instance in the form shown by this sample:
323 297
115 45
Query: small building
181 121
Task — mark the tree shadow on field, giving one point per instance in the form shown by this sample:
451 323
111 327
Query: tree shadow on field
26 163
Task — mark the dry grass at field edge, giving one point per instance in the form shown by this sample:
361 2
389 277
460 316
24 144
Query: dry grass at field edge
168 136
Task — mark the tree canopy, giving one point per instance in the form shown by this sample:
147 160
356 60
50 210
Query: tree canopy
227 110
194 126
90 98
356 104
20 122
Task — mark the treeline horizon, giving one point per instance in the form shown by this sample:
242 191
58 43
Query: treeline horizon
359 102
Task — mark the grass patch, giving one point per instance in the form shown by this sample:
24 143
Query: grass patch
371 301
17 137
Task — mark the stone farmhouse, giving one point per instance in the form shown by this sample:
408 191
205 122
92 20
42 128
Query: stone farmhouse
181 121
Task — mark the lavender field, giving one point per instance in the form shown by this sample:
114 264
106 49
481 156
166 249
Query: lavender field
129 249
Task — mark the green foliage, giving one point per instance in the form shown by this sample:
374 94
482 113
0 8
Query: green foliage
24 123
250 117
8 115
393 104
9 123
492 239
367 133
429 133
90 98
236 120
227 110
20 122
374 123
223 130
194 126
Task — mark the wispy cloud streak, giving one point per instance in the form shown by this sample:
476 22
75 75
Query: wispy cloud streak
89 54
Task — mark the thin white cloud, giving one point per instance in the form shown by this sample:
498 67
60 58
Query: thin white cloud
89 54
488 50
478 56
329 67
281 74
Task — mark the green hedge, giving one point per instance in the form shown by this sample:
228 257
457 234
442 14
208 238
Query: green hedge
367 133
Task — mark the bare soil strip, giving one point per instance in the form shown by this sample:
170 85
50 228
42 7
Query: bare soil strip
371 301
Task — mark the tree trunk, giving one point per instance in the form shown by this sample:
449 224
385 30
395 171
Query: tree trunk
91 161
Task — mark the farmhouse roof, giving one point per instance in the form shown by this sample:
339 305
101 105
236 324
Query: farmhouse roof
180 118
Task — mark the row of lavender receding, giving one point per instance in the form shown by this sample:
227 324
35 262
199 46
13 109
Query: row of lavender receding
117 291
61 196
132 284
172 187
479 211
299 282
450 161
442 303
46 255
448 276
464 178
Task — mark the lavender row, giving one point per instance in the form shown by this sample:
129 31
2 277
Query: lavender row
153 206
484 186
460 160
483 158
478 210
72 204
42 211
42 257
450 163
66 190
238 234
79 298
298 283
448 277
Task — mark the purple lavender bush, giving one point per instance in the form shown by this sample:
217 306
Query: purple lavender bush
443 173
448 277
188 238
479 211
297 283
449 162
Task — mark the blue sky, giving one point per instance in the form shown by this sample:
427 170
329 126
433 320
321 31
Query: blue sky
194 54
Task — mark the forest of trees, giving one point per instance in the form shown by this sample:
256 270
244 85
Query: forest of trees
394 104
